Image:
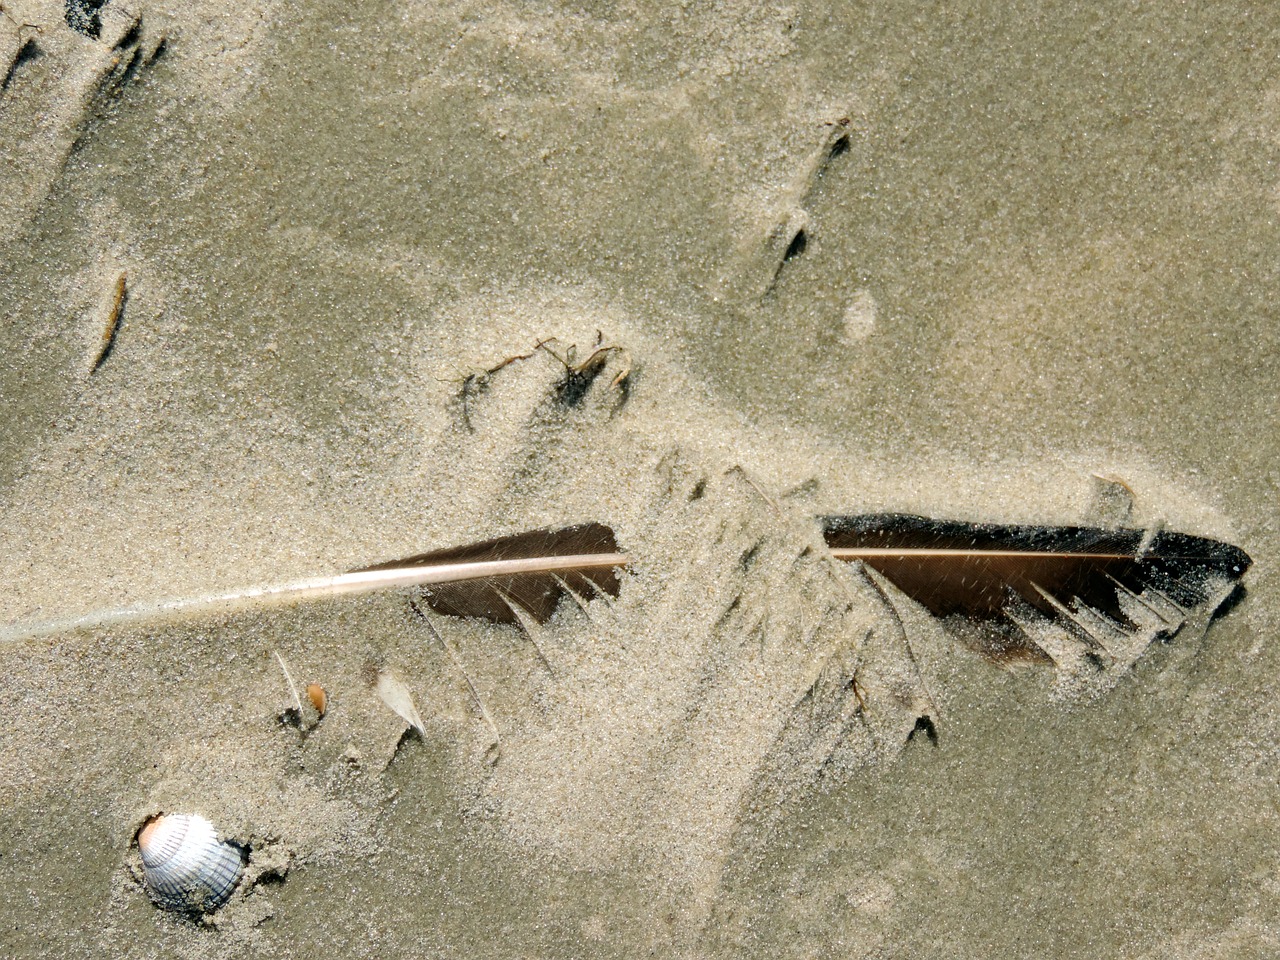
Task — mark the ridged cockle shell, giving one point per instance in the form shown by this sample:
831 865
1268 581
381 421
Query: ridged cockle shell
185 866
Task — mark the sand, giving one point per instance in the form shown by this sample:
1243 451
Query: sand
944 260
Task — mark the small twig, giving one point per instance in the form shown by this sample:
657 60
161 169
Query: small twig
119 294
19 26
475 384
570 359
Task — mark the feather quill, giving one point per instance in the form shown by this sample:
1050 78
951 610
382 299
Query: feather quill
1088 579
527 572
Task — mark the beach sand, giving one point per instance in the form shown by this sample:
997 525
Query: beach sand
946 260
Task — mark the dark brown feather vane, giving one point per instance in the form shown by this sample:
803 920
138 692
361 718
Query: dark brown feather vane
534 570
983 571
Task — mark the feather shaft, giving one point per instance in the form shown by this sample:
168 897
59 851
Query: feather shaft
588 565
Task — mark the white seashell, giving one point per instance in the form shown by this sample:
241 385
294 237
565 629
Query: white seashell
185 865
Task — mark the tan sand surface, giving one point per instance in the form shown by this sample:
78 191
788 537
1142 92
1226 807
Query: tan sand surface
948 259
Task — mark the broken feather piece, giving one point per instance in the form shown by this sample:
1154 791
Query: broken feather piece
392 692
1084 578
288 679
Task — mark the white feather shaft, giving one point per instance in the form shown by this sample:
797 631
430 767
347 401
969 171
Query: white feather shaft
363 581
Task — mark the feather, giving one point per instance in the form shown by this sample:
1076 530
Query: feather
1098 583
994 574
393 692
526 573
